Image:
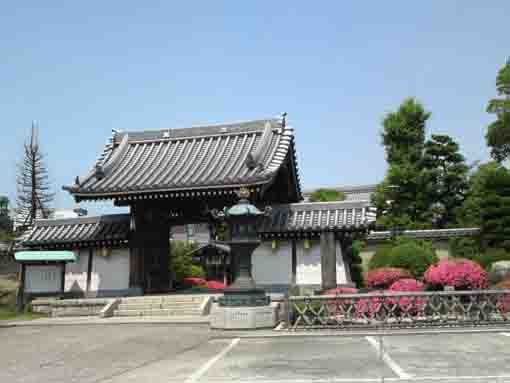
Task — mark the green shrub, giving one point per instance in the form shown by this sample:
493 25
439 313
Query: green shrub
490 256
464 248
181 259
413 257
197 271
357 275
381 257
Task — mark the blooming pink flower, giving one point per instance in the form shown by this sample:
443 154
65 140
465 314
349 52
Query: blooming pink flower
340 290
410 304
385 276
215 285
462 274
194 281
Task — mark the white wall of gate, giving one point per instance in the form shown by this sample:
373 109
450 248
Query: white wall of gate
110 271
274 266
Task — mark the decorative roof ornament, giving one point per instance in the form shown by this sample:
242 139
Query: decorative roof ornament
256 158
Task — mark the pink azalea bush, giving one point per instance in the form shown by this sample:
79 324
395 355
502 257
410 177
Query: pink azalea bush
462 274
385 276
340 290
412 305
194 281
335 306
504 300
407 285
367 307
215 285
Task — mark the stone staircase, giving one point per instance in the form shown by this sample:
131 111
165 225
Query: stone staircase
164 306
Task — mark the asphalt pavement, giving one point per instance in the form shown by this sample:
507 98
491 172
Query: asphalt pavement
150 353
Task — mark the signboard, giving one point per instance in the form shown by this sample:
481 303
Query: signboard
43 278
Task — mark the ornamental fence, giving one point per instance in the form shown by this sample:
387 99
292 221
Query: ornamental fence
399 310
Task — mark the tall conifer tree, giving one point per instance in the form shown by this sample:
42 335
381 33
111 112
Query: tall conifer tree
34 195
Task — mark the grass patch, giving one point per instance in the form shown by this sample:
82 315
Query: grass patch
7 313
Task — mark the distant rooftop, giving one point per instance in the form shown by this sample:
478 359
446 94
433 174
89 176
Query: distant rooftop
352 193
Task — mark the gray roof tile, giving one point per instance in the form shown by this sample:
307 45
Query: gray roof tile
219 156
318 216
79 232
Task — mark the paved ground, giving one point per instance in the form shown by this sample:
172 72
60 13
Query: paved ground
192 353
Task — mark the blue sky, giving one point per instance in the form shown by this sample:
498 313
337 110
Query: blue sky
82 68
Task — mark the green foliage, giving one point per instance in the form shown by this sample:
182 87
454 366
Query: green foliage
491 256
357 275
326 195
197 271
356 263
181 259
412 256
405 253
398 199
469 215
498 132
381 257
6 224
467 248
495 209
444 179
404 132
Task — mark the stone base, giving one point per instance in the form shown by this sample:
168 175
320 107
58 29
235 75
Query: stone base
244 318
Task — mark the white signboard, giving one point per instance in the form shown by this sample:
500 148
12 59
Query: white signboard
43 279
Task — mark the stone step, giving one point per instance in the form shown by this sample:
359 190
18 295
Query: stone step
160 312
150 306
163 300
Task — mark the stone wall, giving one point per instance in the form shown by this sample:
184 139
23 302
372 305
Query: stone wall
69 307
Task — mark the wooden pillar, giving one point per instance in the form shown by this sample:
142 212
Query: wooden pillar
293 266
20 297
89 269
63 278
328 260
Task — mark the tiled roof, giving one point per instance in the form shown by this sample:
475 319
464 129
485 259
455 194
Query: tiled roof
318 216
426 234
182 160
79 232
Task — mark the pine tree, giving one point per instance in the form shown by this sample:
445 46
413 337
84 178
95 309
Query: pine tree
445 180
498 132
34 196
398 199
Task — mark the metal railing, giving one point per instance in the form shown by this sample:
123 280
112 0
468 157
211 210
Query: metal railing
399 310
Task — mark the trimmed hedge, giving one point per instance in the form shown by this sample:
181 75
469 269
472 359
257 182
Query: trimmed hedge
412 257
381 257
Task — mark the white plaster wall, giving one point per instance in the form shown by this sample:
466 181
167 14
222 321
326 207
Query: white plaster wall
76 272
308 268
43 279
341 276
272 266
110 272
309 271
